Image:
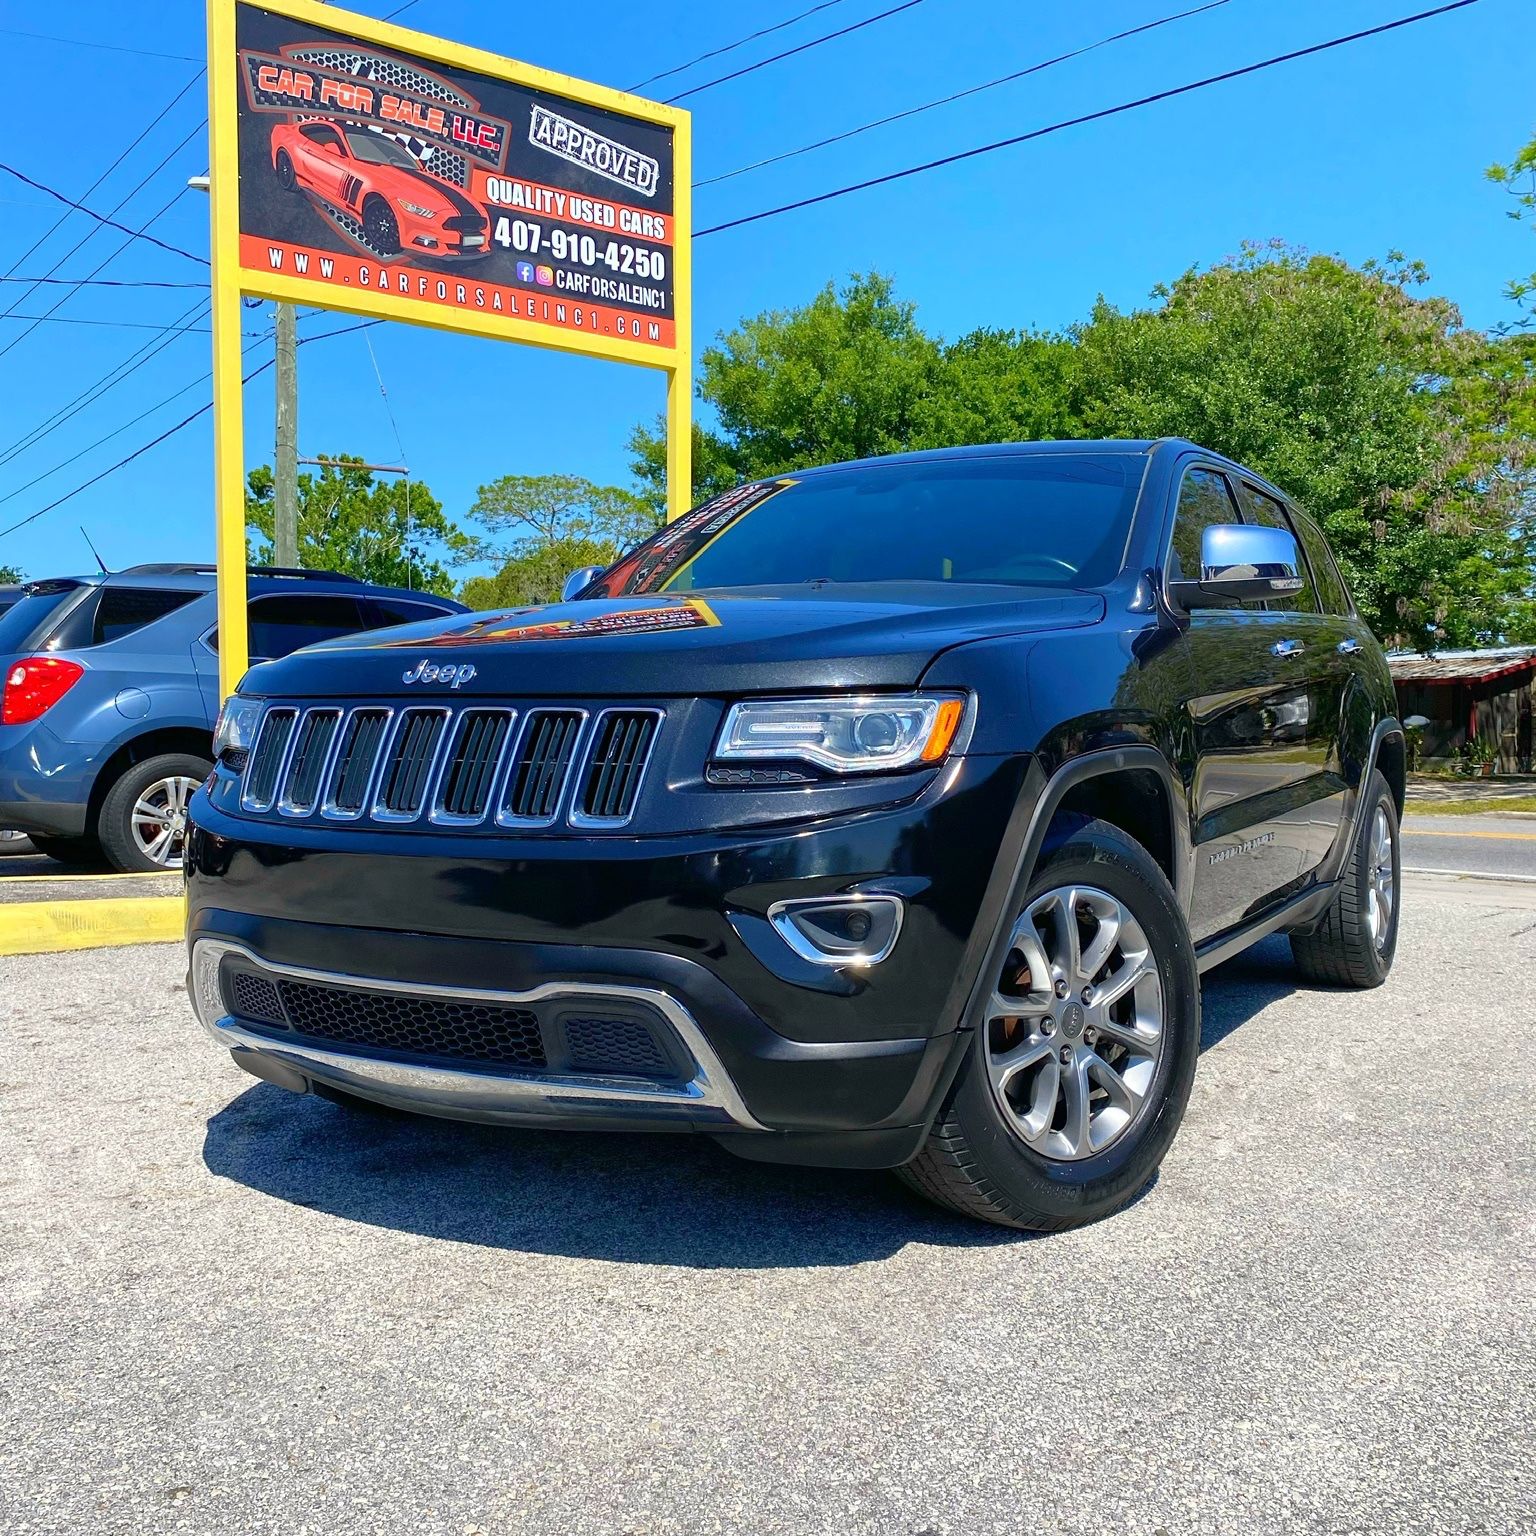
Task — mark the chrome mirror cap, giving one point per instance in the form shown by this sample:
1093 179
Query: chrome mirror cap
1240 562
579 580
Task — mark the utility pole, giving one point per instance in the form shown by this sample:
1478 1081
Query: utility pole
285 509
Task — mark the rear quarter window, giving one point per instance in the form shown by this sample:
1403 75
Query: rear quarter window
124 610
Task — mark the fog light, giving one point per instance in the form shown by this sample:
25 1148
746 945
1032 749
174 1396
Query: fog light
207 994
839 930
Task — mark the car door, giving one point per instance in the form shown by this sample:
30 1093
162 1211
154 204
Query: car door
328 162
1247 713
1319 645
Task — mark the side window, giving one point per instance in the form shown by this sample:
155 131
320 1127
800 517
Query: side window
323 135
122 610
1204 500
1331 591
381 613
1268 512
282 624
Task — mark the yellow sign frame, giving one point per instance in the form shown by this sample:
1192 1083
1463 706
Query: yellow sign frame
231 282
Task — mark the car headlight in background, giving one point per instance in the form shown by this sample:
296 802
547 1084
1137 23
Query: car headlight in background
238 721
417 209
871 734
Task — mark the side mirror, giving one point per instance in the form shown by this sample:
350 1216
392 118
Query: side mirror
579 580
1240 562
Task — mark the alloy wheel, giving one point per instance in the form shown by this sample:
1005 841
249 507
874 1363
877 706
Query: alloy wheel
159 820
1382 891
1075 1027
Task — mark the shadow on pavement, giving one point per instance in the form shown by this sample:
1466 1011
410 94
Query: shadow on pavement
1232 993
629 1199
665 1199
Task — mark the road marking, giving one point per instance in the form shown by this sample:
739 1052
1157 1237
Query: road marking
43 927
1498 837
48 874
1471 874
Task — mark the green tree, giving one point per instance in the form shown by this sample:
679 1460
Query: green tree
842 377
380 530
1518 178
1374 406
540 528
10 574
998 387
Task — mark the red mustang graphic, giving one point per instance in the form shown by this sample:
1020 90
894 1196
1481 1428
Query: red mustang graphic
374 178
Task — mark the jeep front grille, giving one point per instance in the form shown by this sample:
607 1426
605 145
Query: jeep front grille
452 764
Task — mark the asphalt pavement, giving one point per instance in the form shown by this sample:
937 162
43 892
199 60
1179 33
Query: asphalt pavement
1480 844
227 1309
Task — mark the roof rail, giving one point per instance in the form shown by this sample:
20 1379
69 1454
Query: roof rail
174 569
254 570
298 575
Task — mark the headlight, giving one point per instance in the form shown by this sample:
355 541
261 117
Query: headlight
236 730
872 734
417 209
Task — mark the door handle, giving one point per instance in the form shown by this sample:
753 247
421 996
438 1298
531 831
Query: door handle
1284 648
1349 647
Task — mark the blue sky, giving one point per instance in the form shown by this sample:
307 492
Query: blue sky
1377 145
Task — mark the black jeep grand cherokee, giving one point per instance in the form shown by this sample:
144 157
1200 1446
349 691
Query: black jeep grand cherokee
881 815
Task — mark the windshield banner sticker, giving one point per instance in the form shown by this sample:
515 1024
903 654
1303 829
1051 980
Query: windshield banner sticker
497 629
367 170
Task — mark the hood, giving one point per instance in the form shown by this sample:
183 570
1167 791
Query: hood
749 640
396 181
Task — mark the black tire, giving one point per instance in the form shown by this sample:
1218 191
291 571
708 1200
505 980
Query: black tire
286 178
69 850
382 228
1342 950
974 1163
115 825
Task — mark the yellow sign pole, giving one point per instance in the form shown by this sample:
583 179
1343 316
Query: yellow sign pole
680 376
228 392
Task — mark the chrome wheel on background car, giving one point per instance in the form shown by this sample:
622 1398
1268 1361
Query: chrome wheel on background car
159 822
1075 1028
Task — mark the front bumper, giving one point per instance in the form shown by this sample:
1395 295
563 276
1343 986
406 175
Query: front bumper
787 1060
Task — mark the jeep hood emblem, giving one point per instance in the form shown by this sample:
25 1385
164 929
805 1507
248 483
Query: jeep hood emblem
446 676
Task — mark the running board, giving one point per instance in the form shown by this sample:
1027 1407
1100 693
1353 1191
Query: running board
1305 908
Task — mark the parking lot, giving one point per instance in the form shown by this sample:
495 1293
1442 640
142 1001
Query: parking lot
229 1309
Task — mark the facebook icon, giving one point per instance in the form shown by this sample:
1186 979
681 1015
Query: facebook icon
525 271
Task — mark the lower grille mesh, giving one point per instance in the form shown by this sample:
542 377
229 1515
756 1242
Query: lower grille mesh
415 1026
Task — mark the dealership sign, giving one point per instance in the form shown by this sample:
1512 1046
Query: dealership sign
364 167
376 170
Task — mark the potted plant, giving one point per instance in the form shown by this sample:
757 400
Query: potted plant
1477 758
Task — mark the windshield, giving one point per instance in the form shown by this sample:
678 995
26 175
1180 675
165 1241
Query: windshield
378 150
1037 520
20 622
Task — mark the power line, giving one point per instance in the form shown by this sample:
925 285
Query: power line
163 328
815 42
975 90
741 42
137 234
186 421
1075 122
97 282
127 150
80 42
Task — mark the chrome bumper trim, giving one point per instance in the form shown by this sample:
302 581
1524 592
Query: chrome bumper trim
482 1095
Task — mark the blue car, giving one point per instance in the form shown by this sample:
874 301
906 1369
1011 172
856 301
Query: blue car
111 691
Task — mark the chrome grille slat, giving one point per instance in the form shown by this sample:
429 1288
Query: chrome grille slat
311 756
265 770
355 760
409 763
541 766
621 747
474 756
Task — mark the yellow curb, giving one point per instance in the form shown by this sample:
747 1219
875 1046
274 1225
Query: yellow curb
1493 837
35 875
43 927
